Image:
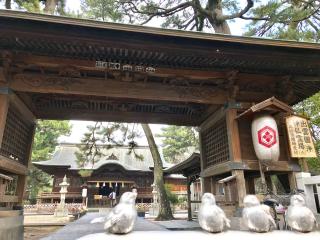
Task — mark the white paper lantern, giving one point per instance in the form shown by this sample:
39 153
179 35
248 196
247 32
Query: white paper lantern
265 137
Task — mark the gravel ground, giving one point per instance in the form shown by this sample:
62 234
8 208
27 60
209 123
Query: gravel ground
36 233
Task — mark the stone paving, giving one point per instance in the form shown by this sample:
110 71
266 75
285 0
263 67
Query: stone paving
46 220
201 235
82 227
148 229
175 225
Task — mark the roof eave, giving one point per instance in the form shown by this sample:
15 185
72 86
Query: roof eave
155 31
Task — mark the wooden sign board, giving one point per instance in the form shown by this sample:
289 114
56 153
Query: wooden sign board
300 141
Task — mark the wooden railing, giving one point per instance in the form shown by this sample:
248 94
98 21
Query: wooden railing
46 195
49 208
8 198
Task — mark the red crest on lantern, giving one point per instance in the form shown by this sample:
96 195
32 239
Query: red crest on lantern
267 136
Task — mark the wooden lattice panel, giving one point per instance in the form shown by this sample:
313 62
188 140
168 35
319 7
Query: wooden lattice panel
215 144
17 137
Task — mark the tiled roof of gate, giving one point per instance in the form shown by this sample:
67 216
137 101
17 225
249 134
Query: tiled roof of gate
119 155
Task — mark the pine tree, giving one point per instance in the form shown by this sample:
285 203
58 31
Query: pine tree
108 134
178 141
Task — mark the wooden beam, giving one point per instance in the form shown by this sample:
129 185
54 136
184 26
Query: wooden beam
269 166
23 60
130 117
249 165
216 169
12 166
39 83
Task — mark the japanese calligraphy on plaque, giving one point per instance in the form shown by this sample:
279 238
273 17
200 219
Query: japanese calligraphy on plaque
300 140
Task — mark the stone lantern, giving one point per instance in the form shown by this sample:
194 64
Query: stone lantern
154 209
62 209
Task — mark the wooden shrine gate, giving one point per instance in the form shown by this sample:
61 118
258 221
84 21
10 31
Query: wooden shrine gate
61 68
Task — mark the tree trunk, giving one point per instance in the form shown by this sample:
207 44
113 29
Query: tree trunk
8 4
50 6
165 212
222 28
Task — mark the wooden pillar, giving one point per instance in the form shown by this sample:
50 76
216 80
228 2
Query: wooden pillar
292 181
189 198
213 185
206 185
250 189
21 186
4 106
235 153
22 179
233 136
269 182
241 185
304 164
205 182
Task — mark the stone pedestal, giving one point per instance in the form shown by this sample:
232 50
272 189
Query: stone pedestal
154 209
62 210
306 183
11 225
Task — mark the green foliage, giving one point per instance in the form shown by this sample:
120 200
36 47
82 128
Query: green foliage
310 108
103 10
177 141
85 173
173 198
106 136
291 20
44 143
36 6
29 5
89 152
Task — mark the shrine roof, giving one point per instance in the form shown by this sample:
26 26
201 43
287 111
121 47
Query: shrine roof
65 156
190 166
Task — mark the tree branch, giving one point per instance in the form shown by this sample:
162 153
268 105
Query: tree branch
161 12
239 14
